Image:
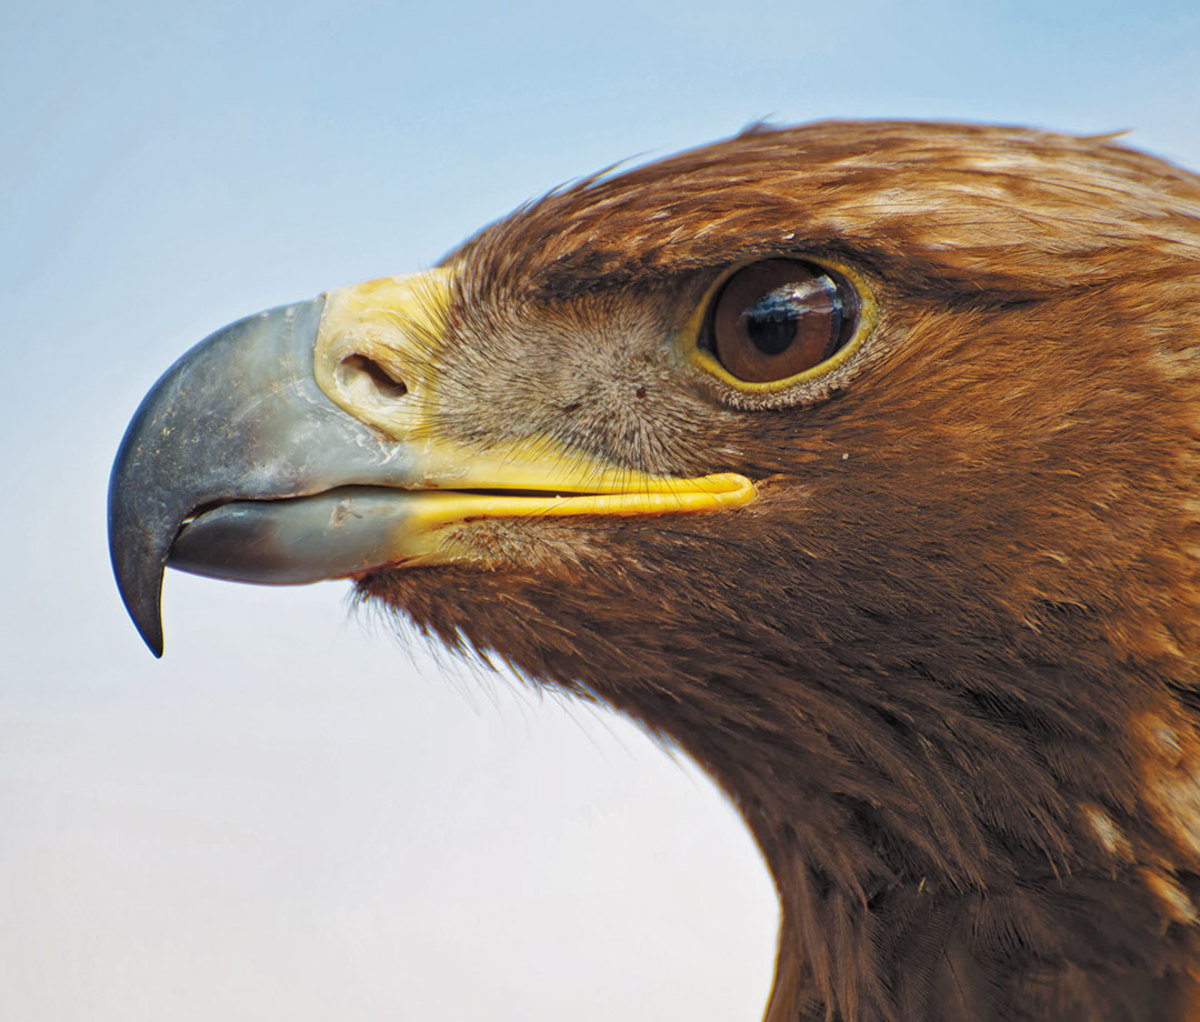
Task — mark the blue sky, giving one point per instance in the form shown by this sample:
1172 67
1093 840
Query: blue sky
292 815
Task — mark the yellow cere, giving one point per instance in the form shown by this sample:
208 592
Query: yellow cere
395 323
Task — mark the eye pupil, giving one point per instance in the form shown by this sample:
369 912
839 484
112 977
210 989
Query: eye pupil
771 322
778 318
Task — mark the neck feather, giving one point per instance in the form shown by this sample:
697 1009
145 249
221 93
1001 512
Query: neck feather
982 861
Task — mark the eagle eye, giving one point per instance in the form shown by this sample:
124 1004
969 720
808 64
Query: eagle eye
778 318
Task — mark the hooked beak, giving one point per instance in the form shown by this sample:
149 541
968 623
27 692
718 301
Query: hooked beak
295 445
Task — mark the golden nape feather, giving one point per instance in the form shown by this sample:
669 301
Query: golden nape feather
858 459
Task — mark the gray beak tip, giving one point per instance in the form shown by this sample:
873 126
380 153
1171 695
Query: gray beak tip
144 609
150 629
138 567
141 598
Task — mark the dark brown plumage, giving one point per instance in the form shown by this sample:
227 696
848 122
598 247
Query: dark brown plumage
945 663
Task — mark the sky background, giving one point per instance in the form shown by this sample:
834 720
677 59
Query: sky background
295 815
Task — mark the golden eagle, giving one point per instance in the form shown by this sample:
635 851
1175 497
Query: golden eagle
860 459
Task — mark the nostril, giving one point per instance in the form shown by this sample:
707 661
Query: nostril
365 377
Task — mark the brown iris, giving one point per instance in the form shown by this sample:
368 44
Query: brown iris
776 318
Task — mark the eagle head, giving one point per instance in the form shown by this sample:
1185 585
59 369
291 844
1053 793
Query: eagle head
858 460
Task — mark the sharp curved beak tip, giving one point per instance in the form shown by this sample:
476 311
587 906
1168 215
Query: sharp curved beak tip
149 625
138 568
